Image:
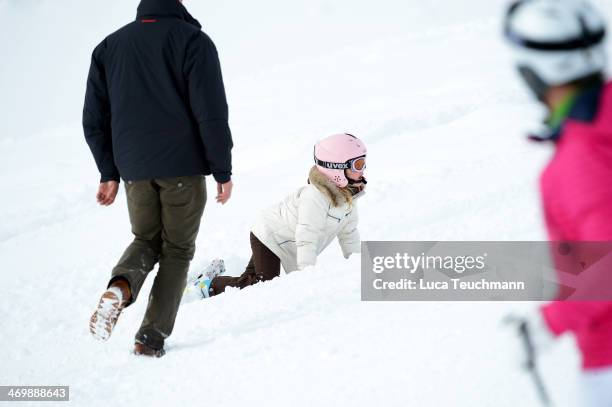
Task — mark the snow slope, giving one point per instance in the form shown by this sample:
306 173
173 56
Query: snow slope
426 84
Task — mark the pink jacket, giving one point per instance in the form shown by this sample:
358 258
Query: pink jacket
576 191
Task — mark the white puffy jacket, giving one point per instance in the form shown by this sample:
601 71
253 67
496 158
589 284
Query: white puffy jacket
299 228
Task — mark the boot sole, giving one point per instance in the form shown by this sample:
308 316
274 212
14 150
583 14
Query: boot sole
103 320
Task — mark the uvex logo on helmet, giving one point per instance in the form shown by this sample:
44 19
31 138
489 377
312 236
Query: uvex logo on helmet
336 166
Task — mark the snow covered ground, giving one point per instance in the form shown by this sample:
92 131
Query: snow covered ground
427 85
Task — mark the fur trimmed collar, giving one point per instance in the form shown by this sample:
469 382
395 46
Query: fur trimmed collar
338 196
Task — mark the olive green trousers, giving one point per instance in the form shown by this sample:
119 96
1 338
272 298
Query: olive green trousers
165 216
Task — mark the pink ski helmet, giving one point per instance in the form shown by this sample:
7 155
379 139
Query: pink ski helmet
339 152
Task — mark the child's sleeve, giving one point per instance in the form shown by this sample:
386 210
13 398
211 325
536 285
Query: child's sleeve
563 316
349 238
312 213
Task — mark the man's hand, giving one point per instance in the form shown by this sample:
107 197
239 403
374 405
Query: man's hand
107 191
224 192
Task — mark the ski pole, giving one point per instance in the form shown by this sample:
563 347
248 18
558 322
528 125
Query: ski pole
532 366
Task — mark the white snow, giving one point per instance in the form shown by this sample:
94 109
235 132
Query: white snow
428 86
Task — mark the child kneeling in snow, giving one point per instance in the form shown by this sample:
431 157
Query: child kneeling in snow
294 232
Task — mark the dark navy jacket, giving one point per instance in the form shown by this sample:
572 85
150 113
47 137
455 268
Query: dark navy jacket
155 104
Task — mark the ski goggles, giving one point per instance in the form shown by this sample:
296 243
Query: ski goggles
355 164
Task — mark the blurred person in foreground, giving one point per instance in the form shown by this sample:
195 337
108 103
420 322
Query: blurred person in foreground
558 48
156 116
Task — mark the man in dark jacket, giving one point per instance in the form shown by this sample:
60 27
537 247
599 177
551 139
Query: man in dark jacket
156 115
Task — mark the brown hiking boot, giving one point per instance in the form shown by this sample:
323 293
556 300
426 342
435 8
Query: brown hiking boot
141 349
109 308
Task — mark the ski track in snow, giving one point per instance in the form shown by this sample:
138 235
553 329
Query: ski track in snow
442 114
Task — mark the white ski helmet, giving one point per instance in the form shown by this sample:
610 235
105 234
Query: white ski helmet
555 42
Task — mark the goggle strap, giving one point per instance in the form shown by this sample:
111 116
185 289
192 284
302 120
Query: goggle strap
586 40
332 166
336 166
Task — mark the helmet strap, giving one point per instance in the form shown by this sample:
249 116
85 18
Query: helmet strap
535 83
361 180
356 188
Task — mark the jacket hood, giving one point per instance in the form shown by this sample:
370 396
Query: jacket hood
338 196
165 8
